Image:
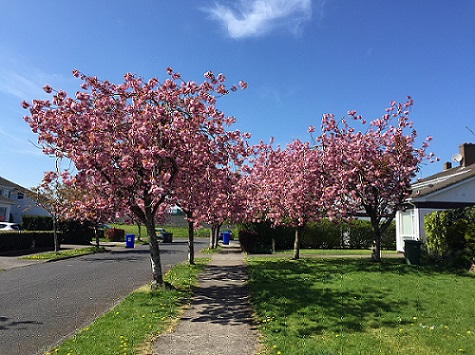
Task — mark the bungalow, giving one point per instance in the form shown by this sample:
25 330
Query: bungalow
15 202
454 187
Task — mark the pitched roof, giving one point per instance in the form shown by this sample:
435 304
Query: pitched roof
441 180
8 183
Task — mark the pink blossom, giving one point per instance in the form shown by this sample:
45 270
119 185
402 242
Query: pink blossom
82 96
48 89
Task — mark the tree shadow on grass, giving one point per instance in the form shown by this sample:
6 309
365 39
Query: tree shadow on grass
308 297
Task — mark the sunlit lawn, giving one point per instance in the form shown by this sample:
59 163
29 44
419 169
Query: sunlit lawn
128 327
337 252
63 253
354 306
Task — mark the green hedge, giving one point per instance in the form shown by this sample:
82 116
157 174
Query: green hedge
37 223
325 234
69 232
76 232
18 241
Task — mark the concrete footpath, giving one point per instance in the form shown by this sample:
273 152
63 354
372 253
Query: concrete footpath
218 320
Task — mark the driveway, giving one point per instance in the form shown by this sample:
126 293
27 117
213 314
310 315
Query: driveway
44 303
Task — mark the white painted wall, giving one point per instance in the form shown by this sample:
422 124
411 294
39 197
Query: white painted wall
21 205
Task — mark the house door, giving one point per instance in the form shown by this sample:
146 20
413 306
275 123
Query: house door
408 230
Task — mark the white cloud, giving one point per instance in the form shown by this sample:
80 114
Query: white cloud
258 17
17 85
25 81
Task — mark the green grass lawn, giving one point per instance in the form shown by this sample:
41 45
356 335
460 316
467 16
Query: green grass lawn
354 306
128 328
336 252
62 254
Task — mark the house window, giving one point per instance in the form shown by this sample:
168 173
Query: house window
20 195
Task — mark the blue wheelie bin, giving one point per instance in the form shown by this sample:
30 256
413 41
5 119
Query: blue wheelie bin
226 238
129 240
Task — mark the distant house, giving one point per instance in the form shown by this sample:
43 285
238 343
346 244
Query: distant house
15 202
454 187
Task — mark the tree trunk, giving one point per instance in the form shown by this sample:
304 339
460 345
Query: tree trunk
298 237
96 236
154 253
55 235
213 243
191 244
139 230
376 252
211 237
377 231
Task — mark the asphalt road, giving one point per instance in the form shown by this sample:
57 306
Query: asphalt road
42 304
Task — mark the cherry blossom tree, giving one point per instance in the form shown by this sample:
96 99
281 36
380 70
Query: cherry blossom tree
224 205
52 196
291 184
197 185
126 140
372 169
87 206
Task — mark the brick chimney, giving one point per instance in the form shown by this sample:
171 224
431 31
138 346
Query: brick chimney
467 151
447 165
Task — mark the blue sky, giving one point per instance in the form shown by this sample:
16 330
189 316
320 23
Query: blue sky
301 59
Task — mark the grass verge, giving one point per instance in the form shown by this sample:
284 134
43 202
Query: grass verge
337 252
62 254
128 328
354 306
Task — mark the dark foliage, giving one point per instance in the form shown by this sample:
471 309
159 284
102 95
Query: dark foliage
325 234
19 241
76 232
37 223
451 237
115 235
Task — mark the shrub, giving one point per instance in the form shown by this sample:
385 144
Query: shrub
357 234
329 234
247 240
10 241
37 223
360 234
450 236
76 232
388 239
115 235
18 241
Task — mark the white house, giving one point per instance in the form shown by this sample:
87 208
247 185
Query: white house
15 202
454 187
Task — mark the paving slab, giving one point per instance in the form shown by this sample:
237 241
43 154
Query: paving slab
218 320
